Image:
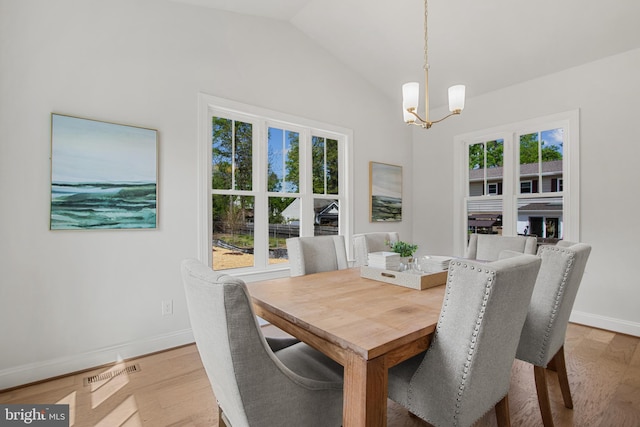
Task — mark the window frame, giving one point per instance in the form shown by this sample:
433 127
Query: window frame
261 119
510 133
491 185
527 181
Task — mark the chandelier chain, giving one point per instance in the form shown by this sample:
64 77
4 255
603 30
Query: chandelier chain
426 37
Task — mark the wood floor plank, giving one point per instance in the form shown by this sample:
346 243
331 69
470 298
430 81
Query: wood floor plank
172 390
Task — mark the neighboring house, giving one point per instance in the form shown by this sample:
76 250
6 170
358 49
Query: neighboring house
537 217
328 215
291 213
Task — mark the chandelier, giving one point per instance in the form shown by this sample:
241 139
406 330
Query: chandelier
410 93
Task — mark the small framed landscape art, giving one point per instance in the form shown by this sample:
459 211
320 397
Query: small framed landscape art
103 175
385 192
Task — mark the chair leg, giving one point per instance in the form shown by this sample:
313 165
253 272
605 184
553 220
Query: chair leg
221 422
561 368
502 412
543 395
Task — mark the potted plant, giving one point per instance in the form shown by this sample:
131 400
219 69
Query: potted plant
404 249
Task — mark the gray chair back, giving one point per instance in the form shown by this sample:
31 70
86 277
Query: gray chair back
365 243
252 386
543 334
308 255
555 292
467 368
487 247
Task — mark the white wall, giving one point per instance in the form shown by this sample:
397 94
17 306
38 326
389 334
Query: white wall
76 299
606 93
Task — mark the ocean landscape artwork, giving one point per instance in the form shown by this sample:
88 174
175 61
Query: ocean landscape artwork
385 192
103 175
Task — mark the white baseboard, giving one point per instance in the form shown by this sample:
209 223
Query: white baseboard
32 372
603 322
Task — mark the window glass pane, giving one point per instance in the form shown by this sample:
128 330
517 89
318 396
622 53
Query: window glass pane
541 217
232 231
552 153
324 157
495 163
243 155
231 156
326 217
283 164
529 149
476 170
495 154
221 153
317 164
332 166
541 159
284 222
489 181
484 216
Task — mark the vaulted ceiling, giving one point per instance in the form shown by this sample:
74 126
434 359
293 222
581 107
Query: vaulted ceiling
485 45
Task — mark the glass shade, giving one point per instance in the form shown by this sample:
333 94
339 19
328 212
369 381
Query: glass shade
456 98
410 95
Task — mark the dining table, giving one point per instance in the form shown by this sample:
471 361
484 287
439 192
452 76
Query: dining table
366 325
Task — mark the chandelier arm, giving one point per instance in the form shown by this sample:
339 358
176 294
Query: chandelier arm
453 113
428 123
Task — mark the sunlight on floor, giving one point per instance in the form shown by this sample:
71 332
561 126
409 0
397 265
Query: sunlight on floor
103 390
125 414
70 399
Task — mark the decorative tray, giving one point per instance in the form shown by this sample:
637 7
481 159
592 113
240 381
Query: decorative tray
406 279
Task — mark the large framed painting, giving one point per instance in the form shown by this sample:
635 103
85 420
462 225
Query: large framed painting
385 192
103 175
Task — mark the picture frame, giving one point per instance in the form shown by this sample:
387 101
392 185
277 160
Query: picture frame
103 175
385 192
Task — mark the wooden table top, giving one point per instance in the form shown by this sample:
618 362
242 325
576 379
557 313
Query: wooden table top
366 317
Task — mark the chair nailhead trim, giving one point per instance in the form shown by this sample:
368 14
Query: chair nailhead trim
474 334
557 300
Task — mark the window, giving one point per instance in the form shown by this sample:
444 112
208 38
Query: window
494 188
524 168
526 186
267 177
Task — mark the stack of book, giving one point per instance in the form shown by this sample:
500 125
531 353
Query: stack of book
434 263
384 260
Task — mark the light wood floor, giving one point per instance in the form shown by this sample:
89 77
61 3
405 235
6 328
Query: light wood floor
171 389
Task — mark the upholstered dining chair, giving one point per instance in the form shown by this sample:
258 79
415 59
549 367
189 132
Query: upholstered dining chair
316 254
253 384
467 368
543 334
487 247
371 242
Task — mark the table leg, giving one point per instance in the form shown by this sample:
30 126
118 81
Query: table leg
365 392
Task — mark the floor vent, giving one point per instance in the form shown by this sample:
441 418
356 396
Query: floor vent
131 369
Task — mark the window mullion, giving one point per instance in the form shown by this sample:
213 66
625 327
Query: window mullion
233 155
260 217
510 176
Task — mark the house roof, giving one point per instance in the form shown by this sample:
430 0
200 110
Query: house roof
541 207
553 167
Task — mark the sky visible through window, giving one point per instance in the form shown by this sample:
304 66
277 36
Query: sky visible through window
279 145
553 137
